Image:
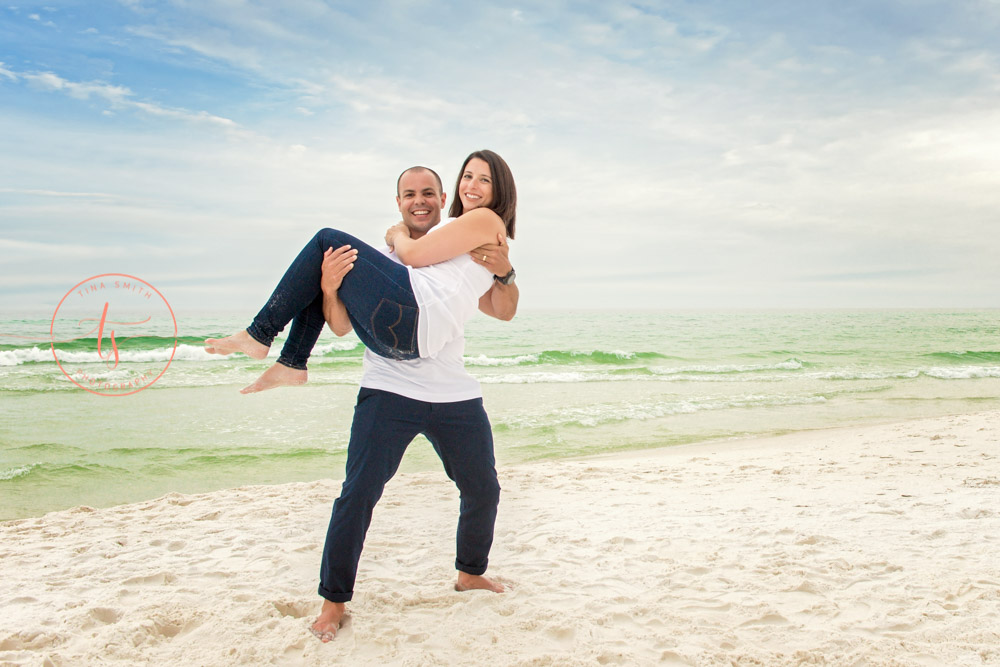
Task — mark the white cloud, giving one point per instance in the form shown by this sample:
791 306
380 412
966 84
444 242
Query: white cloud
116 95
6 73
120 97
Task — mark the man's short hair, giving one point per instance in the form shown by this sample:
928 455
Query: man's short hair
419 168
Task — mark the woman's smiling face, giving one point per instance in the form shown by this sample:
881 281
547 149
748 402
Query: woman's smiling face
476 188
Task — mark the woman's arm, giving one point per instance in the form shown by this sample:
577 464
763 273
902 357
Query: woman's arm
461 235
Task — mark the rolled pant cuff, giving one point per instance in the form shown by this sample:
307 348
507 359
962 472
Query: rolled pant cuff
335 597
291 364
477 571
258 336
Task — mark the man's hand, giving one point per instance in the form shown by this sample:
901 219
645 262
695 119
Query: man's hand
336 264
392 232
500 301
493 256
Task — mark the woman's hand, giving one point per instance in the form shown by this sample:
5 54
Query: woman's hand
493 256
395 230
336 264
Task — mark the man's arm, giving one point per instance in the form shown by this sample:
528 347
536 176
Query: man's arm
501 300
336 314
336 264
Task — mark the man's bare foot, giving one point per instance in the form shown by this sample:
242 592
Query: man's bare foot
278 375
476 582
238 342
328 622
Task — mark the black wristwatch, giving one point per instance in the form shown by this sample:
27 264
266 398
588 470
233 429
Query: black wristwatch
507 279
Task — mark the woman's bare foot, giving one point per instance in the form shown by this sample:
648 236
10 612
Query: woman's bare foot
278 375
238 342
476 582
328 622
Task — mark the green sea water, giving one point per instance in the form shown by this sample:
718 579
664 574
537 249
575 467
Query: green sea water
556 384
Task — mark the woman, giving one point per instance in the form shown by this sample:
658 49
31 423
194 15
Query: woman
399 312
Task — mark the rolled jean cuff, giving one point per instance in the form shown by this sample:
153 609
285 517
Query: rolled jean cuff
476 571
335 597
258 336
291 364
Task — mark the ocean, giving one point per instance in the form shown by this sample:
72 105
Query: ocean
555 384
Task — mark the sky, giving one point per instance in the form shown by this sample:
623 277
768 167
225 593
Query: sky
668 155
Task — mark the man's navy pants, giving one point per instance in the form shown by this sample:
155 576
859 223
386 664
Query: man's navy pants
384 424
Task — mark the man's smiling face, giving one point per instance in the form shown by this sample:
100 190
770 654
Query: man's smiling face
420 201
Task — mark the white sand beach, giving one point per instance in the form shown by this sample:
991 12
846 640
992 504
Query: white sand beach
859 546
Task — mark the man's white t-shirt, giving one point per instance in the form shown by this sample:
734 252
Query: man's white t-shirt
441 378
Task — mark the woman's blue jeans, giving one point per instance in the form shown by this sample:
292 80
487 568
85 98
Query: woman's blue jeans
376 292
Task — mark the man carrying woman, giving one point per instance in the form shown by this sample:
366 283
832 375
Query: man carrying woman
408 303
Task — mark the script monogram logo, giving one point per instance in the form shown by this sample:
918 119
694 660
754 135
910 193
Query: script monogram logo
145 313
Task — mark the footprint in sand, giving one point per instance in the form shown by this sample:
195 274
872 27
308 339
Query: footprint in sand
30 640
767 619
105 615
160 578
674 658
295 609
168 629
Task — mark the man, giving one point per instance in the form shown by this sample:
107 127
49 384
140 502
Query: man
397 401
